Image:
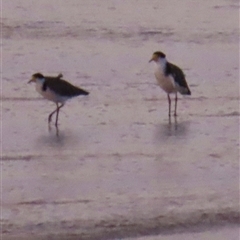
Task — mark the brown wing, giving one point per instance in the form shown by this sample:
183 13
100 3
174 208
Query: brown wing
63 87
179 78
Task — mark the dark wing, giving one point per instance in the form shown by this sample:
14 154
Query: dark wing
63 87
179 78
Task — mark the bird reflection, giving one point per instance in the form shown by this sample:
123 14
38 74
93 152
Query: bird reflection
56 129
172 128
173 124
58 138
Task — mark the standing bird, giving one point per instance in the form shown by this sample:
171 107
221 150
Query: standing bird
170 78
56 90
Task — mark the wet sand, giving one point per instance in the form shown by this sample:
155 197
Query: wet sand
118 167
229 233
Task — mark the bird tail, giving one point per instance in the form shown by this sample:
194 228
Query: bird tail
184 90
188 92
82 92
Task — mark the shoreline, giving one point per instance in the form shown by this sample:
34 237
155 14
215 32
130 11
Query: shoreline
127 226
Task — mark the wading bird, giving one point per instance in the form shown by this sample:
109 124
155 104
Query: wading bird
56 90
170 78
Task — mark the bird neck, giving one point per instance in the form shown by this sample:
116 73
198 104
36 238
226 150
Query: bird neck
162 63
40 80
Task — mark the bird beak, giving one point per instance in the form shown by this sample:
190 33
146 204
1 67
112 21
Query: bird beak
31 80
152 59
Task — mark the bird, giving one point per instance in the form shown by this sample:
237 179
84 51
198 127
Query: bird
170 78
56 90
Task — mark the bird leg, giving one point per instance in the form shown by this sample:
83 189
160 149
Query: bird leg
58 108
169 105
51 114
175 111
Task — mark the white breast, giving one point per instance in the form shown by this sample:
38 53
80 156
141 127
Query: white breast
165 82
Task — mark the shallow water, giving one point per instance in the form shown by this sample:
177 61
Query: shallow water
116 155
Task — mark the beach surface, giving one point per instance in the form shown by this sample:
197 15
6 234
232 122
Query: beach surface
117 166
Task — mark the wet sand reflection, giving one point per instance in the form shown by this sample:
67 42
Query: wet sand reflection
173 128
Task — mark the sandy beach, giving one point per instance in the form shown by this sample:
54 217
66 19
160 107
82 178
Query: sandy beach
117 166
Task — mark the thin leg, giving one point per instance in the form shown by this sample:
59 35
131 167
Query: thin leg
169 105
57 131
175 123
56 123
169 121
175 111
51 114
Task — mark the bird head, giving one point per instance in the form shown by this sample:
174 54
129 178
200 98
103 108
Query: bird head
157 56
35 77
